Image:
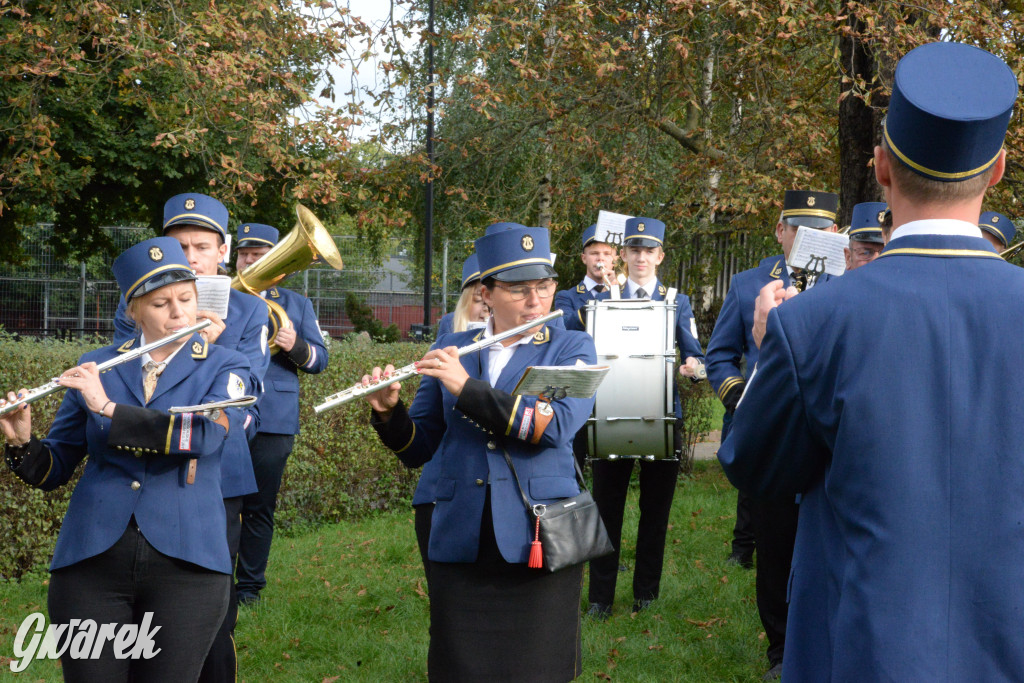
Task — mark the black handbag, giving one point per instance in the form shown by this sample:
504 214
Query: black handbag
568 532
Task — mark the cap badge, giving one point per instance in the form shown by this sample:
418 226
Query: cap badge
527 243
881 216
156 253
245 229
810 201
640 227
190 204
995 219
197 347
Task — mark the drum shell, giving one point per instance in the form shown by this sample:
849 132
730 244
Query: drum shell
633 410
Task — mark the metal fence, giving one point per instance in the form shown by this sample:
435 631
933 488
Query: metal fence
44 295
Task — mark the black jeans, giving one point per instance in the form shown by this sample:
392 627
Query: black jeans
221 663
119 586
269 456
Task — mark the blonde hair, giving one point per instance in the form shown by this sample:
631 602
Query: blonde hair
460 320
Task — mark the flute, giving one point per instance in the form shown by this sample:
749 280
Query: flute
51 387
358 390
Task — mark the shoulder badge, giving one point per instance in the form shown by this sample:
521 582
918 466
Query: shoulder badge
274 293
236 387
190 204
527 243
156 253
776 271
263 339
200 349
581 288
127 345
662 290
479 336
542 337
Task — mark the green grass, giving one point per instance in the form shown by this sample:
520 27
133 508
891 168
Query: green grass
348 601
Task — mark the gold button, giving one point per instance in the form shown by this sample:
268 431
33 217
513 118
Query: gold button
136 486
479 482
138 455
491 445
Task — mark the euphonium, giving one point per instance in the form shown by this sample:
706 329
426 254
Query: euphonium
307 243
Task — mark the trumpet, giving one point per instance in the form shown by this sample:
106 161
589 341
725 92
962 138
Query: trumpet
358 390
1012 250
52 387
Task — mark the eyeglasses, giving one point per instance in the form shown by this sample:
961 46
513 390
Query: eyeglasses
866 254
544 290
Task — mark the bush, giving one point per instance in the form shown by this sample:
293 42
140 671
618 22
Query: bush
363 320
338 469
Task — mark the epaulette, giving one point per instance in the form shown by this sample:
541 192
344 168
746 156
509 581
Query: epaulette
274 294
776 271
479 336
127 345
200 349
581 288
661 290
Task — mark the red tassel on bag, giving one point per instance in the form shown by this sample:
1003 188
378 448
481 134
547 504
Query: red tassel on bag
536 552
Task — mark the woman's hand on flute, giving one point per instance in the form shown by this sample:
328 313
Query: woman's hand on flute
385 400
86 378
17 424
443 364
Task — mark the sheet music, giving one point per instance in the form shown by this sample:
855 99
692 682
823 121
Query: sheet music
817 251
579 381
611 227
214 292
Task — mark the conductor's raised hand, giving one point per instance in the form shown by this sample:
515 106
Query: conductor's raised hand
17 424
443 364
771 295
385 400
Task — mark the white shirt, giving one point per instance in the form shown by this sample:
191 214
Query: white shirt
145 358
499 356
937 226
632 286
590 283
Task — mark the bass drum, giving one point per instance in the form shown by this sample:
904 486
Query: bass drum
633 411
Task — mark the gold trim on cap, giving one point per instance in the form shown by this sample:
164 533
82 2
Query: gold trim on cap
513 264
868 229
994 228
936 174
818 213
205 219
242 242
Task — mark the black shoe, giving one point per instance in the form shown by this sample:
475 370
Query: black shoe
774 673
742 559
248 599
599 611
639 605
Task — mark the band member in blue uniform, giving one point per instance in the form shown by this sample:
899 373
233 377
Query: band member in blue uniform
301 347
865 234
884 399
199 223
491 617
642 251
600 259
136 538
470 311
770 525
997 229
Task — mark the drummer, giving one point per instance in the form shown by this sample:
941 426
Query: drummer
643 252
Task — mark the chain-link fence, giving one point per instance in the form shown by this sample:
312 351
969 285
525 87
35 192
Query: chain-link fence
44 295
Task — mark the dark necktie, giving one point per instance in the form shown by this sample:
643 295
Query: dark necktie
640 293
600 289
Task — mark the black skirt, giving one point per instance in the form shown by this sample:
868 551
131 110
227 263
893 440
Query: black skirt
494 621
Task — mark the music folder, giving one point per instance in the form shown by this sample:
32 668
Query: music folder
561 381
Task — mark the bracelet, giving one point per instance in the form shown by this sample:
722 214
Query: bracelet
100 411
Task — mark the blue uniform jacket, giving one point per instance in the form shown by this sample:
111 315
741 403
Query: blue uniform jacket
279 404
151 448
892 398
465 437
246 332
444 325
571 303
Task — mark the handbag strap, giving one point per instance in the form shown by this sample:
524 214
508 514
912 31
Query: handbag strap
522 494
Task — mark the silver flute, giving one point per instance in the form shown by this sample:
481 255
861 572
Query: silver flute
358 390
52 387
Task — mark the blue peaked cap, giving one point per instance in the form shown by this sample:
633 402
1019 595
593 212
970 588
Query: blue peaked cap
866 223
515 255
644 232
949 109
999 225
196 209
470 271
149 265
257 235
501 226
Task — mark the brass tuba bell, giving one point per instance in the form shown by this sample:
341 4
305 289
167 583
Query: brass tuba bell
307 243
